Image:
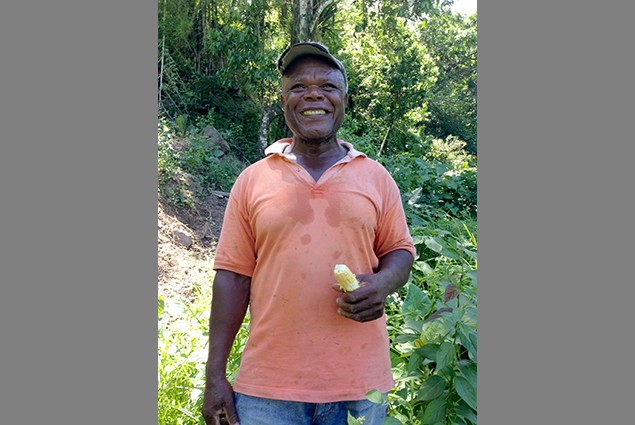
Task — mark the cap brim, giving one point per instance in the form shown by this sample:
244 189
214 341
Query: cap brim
303 49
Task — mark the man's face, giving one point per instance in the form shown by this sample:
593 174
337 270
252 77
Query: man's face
313 98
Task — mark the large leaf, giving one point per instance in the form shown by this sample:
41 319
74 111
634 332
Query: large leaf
465 390
468 339
415 362
462 409
445 355
423 267
391 421
435 411
416 301
433 245
467 368
432 388
429 351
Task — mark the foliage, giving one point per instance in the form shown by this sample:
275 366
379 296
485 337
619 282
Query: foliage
182 341
189 166
441 181
390 74
451 41
433 331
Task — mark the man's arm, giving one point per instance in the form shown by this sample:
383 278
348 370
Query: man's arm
230 298
368 301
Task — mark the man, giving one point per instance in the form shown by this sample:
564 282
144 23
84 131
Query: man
313 351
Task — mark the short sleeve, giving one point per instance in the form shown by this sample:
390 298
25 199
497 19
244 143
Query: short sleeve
236 245
392 229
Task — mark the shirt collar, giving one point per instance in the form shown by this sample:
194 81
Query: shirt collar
283 147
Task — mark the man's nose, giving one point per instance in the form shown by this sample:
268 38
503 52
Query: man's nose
313 92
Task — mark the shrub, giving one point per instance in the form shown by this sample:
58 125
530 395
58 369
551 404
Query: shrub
433 331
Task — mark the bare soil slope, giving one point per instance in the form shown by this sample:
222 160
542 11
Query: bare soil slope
187 240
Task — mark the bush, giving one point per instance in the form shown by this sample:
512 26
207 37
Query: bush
183 339
433 332
189 167
431 188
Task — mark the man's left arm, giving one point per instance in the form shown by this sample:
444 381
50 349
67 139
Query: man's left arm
369 301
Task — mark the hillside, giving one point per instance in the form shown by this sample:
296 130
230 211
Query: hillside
187 240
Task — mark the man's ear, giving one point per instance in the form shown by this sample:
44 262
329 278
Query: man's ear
282 100
346 100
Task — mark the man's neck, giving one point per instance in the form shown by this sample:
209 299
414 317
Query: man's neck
320 149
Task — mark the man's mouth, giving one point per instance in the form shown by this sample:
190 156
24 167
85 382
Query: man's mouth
314 112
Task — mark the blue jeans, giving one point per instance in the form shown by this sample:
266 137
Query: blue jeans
263 411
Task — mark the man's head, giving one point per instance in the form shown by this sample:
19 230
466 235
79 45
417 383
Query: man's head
309 48
313 92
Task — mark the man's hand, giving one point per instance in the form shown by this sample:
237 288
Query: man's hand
218 404
366 303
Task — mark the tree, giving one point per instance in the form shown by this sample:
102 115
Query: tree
452 41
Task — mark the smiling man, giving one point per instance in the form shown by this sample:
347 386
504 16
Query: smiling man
313 351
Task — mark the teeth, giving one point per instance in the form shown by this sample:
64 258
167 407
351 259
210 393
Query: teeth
314 112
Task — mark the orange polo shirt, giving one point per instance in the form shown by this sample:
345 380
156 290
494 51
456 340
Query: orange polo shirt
287 232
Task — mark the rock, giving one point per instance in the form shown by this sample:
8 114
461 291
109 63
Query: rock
216 140
183 237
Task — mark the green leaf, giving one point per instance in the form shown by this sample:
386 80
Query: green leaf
418 239
352 420
432 388
415 362
406 337
445 355
470 317
391 421
423 267
468 339
415 302
462 409
467 368
451 253
376 397
433 244
429 351
465 390
161 305
435 411
413 325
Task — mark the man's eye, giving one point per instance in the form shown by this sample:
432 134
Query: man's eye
329 86
297 87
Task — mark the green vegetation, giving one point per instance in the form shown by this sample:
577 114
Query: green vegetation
412 75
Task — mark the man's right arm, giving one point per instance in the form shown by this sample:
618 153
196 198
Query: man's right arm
230 298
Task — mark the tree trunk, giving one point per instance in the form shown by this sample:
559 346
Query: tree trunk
305 13
268 113
383 142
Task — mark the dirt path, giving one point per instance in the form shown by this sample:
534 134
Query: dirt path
187 240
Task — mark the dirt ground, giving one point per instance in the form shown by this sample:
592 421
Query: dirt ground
187 240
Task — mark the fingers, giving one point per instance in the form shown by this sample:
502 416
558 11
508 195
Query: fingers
363 316
211 418
363 310
231 415
224 416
